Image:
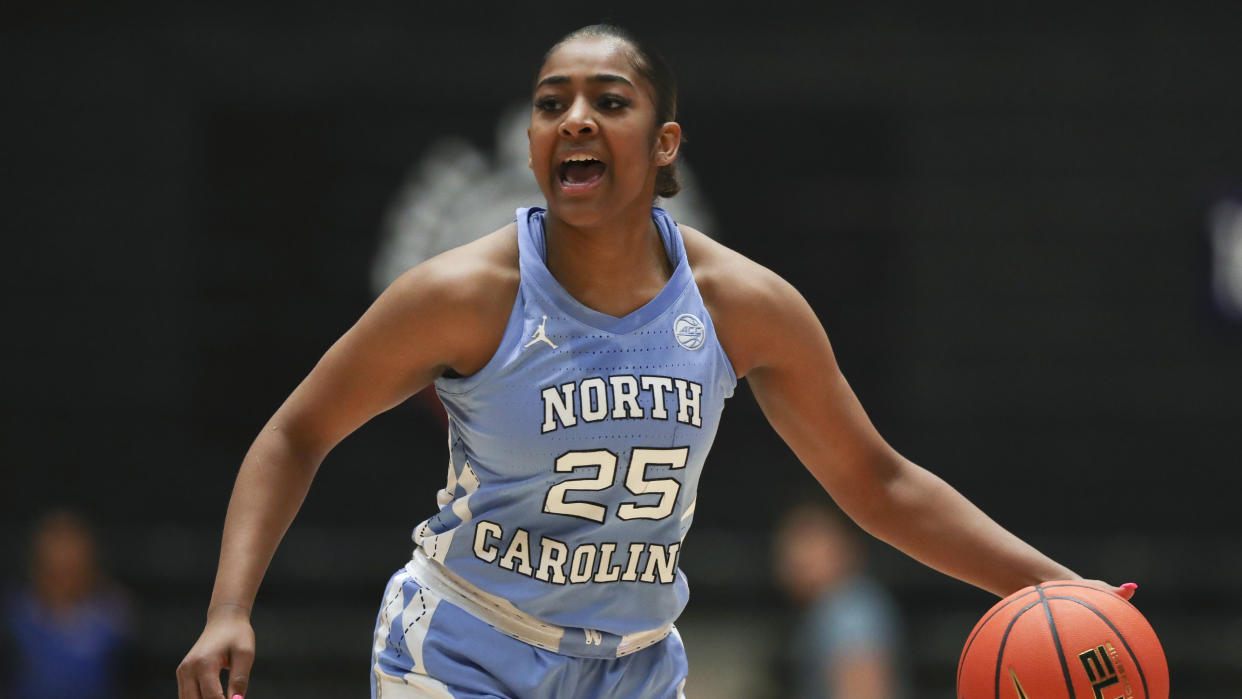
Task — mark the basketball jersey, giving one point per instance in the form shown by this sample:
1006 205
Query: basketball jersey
576 451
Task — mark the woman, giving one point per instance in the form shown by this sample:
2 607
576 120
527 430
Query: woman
584 354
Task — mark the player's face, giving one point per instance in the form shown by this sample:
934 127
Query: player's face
595 146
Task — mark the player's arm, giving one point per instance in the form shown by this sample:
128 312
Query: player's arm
441 314
423 324
775 340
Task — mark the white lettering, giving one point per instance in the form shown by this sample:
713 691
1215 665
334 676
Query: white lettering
594 397
562 402
582 564
552 557
590 400
658 385
586 563
482 549
604 573
664 559
688 393
519 551
631 566
625 397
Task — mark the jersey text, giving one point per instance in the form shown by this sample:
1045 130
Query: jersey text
552 561
618 397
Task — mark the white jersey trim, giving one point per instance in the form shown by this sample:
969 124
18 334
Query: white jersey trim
501 615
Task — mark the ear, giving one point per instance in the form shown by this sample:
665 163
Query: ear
668 143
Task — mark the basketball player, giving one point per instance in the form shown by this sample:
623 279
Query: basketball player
583 353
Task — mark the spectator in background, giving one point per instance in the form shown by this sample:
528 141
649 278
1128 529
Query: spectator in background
69 629
846 643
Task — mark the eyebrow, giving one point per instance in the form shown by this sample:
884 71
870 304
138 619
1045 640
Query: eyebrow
598 78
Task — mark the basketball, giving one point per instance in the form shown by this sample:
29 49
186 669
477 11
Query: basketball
1063 639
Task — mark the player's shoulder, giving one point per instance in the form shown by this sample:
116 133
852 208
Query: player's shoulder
458 301
745 300
468 278
731 281
466 294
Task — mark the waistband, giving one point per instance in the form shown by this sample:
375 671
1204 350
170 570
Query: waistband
501 615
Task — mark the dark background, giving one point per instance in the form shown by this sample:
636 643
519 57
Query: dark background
999 215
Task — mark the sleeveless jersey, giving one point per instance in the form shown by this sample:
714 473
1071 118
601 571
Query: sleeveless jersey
575 453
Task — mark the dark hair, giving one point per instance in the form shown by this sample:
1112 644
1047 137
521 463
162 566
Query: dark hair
656 71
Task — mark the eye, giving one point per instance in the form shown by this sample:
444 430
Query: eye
611 102
547 103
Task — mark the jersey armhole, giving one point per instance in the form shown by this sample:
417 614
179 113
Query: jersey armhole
514 327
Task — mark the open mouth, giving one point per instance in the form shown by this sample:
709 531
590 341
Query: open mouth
581 171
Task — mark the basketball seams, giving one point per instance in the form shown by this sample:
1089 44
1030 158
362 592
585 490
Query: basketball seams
979 629
1093 588
1000 653
1056 640
1129 651
995 630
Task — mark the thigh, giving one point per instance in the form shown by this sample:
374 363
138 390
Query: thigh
398 669
427 647
658 672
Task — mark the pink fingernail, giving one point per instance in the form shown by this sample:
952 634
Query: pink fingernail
1127 586
237 696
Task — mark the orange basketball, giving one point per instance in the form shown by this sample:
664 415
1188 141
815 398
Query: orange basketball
1063 640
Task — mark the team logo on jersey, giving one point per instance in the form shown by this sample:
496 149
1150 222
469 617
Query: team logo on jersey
689 331
540 335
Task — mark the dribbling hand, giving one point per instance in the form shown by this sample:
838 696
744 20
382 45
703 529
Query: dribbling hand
1125 592
227 642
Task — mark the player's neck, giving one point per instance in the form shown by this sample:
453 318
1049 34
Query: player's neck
614 266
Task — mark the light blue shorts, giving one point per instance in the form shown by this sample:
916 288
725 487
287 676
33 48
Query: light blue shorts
426 646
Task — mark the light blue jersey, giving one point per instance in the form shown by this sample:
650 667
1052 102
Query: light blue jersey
576 451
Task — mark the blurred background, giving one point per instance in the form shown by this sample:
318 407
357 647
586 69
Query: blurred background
1022 229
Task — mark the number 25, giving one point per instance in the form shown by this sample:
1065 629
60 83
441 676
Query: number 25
635 481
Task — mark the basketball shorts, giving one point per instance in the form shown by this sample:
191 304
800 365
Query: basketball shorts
428 646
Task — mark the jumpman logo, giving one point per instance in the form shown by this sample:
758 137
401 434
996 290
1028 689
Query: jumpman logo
540 335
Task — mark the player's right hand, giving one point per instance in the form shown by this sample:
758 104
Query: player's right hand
227 642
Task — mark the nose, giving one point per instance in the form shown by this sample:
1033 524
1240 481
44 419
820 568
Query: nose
579 120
